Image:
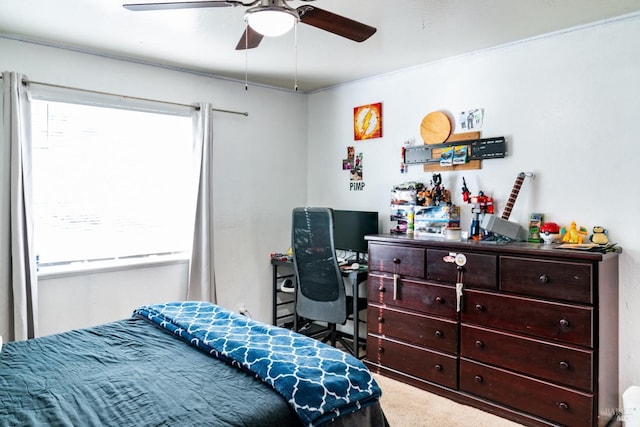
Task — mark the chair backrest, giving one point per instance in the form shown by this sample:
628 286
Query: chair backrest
321 292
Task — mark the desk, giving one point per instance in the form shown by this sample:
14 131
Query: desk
354 278
290 298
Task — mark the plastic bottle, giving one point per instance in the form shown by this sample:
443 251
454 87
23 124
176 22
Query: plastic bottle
410 223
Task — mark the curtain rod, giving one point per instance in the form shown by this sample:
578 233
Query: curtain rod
24 81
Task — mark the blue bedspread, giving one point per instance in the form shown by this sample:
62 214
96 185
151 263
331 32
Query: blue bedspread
320 382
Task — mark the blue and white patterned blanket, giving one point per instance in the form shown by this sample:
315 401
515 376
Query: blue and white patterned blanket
320 382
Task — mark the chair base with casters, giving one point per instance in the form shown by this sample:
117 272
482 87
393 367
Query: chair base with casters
331 335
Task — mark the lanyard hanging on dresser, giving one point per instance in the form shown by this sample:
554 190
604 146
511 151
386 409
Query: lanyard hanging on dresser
460 261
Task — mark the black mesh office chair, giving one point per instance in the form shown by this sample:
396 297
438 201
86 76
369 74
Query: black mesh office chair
321 292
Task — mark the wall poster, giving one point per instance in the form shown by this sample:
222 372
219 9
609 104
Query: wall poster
367 121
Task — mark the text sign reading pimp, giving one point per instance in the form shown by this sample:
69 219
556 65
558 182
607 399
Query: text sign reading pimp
356 186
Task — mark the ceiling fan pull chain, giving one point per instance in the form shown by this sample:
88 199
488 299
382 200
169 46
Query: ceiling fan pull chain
246 55
295 43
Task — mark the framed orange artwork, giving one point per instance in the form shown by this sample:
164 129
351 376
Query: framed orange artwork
367 121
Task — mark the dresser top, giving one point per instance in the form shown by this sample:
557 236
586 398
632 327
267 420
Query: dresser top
522 248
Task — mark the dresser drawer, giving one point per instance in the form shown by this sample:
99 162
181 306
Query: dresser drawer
550 320
411 294
435 333
480 271
547 279
557 404
402 260
560 364
429 365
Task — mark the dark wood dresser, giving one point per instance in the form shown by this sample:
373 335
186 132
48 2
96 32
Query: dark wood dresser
531 335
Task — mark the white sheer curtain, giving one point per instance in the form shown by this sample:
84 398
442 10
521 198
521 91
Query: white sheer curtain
18 280
202 284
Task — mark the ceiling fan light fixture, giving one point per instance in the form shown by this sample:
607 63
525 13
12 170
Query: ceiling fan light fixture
271 22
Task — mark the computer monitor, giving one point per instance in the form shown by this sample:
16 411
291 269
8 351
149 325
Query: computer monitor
350 227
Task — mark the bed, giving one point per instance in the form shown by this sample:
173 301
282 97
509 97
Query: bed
187 364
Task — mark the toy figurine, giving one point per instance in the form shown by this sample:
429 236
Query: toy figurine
424 197
481 205
466 194
550 232
535 222
573 235
437 194
599 236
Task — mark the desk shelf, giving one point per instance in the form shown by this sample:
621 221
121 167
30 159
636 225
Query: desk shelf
283 306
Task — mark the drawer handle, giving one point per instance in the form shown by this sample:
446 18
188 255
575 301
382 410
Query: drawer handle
380 319
380 350
396 279
479 307
438 368
564 365
544 278
396 261
382 289
563 405
439 300
479 344
564 323
439 334
478 379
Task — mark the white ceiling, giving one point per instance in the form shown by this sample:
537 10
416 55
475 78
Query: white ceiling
410 32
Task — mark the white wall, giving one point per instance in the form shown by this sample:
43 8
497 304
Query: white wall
255 160
71 301
568 105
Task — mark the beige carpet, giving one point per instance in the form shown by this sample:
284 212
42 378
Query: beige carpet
408 406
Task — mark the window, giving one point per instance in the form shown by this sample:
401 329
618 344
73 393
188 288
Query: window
110 183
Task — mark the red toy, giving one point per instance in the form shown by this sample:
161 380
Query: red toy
481 205
549 232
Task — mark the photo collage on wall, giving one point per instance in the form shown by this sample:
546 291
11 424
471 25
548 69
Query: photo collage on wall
353 164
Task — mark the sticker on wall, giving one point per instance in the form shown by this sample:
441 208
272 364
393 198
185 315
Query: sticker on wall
470 120
356 172
367 121
349 162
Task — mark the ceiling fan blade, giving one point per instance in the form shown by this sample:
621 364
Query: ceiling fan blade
250 39
183 5
335 24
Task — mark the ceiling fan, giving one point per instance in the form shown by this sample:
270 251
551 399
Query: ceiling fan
261 14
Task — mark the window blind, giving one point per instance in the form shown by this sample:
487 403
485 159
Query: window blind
110 183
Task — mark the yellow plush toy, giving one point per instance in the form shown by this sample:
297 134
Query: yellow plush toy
599 236
573 235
